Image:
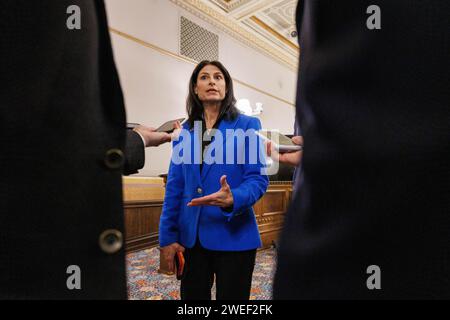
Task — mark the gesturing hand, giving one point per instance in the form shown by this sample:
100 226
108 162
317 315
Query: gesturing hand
222 198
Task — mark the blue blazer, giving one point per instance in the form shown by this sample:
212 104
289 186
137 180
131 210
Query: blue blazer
228 155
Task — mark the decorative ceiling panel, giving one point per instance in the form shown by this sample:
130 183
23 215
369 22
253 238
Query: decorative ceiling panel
230 5
266 25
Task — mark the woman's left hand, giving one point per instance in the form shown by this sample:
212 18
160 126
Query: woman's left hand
222 198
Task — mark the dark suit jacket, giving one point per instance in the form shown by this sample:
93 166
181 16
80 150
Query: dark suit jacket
374 110
134 153
62 128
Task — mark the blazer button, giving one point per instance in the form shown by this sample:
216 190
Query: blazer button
111 241
199 190
114 159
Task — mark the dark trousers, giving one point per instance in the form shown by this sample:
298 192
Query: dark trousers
232 270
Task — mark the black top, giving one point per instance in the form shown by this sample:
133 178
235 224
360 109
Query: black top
209 137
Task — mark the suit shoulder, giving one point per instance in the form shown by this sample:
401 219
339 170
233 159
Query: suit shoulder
249 121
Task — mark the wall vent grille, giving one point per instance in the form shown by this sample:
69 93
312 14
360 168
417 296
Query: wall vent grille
198 43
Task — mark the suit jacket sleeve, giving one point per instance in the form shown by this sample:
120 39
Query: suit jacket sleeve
134 153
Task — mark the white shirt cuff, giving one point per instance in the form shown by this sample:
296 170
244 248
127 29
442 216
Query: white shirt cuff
142 137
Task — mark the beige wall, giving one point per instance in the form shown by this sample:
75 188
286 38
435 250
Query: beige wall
155 82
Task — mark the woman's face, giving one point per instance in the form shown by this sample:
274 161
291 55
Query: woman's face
211 86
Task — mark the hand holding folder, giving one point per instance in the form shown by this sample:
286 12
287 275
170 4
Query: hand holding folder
179 265
173 257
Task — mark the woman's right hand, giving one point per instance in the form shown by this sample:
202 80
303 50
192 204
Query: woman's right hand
168 253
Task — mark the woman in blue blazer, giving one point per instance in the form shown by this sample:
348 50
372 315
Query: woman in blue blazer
211 187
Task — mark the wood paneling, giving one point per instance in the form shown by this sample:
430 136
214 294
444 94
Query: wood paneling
138 188
141 224
143 203
270 211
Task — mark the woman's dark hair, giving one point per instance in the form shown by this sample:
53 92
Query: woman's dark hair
194 106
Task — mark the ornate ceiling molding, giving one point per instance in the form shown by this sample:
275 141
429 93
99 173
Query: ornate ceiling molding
234 29
244 12
230 5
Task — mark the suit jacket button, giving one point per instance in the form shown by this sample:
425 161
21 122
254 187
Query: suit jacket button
114 159
111 241
199 190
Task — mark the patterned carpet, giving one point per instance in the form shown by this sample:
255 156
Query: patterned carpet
145 283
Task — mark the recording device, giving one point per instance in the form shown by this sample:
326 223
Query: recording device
132 125
281 142
168 126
